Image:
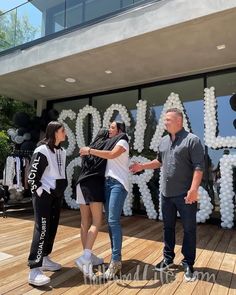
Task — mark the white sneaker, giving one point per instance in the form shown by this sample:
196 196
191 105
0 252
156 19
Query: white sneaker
114 269
96 260
86 267
37 278
48 264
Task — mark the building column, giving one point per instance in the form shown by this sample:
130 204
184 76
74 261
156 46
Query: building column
41 104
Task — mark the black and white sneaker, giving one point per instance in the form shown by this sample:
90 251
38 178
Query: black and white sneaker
189 274
163 265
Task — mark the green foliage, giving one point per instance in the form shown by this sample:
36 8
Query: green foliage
8 107
15 30
5 149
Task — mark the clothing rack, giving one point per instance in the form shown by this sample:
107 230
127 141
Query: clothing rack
26 202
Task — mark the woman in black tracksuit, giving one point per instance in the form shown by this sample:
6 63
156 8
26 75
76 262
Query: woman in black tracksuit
47 179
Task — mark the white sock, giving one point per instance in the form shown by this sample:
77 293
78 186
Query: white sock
87 254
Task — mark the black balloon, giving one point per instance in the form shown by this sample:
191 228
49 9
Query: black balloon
35 135
234 123
53 115
48 116
35 123
28 146
21 131
232 102
21 119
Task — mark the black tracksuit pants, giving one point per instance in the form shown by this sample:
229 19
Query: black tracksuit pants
47 209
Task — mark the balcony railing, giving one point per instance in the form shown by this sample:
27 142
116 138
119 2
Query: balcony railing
37 19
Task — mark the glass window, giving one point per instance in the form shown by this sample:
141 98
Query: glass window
74 12
55 16
130 2
126 3
128 99
190 94
225 87
29 24
59 21
8 30
93 10
74 105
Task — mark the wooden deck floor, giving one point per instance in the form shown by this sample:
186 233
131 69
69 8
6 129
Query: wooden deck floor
142 249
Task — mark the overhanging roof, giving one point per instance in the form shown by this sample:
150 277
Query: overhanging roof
173 51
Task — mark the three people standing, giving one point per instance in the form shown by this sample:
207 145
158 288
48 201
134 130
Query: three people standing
181 156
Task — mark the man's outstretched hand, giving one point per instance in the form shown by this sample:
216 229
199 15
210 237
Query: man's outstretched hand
135 167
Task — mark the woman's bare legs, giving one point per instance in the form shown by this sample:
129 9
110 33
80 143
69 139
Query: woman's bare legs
96 213
91 219
86 221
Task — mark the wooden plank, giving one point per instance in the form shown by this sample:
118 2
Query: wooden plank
203 257
142 249
232 289
224 275
115 287
213 264
150 280
170 288
130 245
12 278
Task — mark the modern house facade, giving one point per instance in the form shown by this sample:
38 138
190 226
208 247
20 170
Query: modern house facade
103 53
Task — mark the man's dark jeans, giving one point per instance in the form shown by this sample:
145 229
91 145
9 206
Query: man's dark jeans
170 206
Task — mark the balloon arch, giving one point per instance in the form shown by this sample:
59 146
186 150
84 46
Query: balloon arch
227 162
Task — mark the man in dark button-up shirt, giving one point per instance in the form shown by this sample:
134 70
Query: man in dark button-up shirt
181 156
179 159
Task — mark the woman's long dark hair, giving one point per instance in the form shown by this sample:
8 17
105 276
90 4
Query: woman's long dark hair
50 137
120 126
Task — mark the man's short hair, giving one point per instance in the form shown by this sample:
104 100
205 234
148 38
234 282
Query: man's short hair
176 111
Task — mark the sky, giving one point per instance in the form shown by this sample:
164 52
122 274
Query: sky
34 15
6 5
